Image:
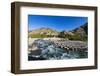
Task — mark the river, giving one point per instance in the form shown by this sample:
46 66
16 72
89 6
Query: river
47 50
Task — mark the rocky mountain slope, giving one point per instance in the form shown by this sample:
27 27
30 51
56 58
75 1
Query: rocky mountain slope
79 33
82 29
45 31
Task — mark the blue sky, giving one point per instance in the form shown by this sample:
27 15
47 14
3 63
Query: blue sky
58 23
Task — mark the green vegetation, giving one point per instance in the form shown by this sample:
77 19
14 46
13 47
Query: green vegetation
75 36
78 37
80 33
40 36
62 35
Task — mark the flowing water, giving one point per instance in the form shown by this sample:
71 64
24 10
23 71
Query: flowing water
47 50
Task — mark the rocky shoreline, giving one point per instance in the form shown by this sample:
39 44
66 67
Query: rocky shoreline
48 49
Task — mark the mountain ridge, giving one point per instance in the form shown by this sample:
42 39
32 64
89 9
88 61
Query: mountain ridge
80 32
45 30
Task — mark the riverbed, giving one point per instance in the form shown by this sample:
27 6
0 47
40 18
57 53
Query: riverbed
46 49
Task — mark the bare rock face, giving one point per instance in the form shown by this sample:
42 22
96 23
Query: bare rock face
82 29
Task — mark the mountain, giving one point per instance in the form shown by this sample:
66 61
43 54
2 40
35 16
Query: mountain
82 29
80 33
44 31
79 30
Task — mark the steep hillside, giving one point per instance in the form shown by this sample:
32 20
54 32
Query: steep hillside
79 33
82 29
43 32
